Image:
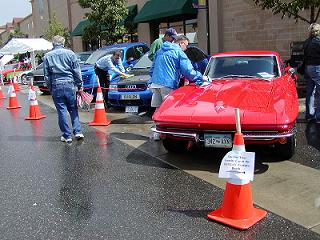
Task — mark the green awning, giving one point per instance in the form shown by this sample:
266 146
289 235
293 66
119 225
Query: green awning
155 9
132 12
79 29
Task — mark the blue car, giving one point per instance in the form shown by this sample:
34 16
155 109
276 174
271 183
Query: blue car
133 93
130 54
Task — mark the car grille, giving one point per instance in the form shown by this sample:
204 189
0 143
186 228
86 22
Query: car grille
130 88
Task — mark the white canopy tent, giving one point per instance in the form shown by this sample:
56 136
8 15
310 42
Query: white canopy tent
23 45
4 60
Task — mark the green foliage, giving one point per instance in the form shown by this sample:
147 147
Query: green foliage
293 8
106 16
17 34
56 28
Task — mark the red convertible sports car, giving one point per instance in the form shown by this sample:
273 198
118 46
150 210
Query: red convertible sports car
256 82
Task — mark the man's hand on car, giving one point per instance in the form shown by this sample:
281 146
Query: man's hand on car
199 82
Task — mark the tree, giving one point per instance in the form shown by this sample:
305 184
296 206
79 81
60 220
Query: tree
106 16
293 8
56 28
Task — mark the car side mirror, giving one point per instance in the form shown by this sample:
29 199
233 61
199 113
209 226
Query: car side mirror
290 70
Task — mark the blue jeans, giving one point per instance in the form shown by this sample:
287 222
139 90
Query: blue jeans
64 98
312 77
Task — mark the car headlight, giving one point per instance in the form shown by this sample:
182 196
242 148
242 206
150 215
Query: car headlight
113 87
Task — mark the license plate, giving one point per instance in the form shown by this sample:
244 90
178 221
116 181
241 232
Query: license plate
130 96
132 109
218 140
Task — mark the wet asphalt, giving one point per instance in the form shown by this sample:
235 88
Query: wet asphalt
101 188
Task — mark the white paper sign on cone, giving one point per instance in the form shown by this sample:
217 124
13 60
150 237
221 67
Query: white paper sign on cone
32 95
237 165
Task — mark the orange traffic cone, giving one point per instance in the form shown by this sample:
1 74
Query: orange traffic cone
34 110
99 111
15 82
13 101
1 94
237 208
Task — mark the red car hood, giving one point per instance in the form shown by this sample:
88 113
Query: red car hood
214 104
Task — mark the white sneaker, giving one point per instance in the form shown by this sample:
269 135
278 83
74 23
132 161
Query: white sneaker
79 136
63 139
156 136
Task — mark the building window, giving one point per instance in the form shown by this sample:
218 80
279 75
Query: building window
186 27
40 6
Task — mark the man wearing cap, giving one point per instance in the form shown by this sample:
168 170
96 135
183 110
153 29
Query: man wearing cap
169 64
169 36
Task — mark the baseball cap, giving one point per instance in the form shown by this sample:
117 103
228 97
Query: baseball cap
171 32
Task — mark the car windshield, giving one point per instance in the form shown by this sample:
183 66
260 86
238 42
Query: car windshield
96 55
264 67
83 56
144 62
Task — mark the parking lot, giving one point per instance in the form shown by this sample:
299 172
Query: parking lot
120 184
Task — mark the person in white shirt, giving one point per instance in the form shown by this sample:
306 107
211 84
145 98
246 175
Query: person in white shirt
109 62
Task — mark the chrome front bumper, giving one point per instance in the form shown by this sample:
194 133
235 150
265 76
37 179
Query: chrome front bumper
252 136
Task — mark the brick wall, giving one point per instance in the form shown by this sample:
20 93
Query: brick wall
247 27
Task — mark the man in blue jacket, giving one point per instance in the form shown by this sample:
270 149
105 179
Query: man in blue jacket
169 65
63 78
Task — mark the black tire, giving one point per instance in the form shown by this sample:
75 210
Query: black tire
287 150
45 92
174 145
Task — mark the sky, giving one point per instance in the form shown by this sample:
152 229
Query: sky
13 8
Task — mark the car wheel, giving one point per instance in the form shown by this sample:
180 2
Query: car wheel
24 80
287 150
174 145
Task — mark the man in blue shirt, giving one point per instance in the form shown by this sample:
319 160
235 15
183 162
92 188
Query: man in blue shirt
63 77
109 62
